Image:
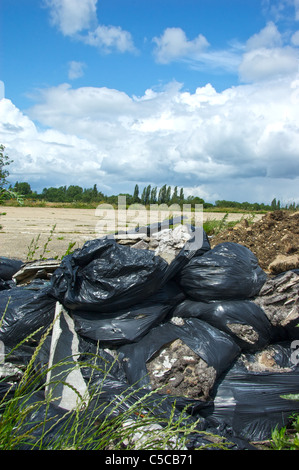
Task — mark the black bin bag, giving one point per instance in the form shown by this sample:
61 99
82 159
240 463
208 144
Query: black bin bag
228 271
104 276
251 403
215 347
8 267
130 324
245 321
197 245
25 309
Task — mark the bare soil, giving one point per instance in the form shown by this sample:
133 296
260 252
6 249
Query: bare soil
23 225
274 239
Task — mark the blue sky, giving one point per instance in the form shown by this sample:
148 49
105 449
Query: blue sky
200 94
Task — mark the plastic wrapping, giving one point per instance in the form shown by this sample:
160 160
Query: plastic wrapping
245 321
128 325
215 347
251 403
227 272
197 245
104 276
8 267
26 309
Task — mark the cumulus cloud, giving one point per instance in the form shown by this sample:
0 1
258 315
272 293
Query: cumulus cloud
263 63
266 57
240 144
173 44
109 38
78 18
267 37
44 157
72 16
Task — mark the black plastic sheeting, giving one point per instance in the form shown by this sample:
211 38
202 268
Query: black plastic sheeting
228 271
104 276
221 314
251 403
8 267
215 347
25 310
131 324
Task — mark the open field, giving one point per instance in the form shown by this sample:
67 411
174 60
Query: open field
22 225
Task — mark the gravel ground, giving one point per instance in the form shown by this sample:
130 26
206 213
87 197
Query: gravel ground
22 225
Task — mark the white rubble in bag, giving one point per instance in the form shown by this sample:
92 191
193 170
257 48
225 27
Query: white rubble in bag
146 434
170 241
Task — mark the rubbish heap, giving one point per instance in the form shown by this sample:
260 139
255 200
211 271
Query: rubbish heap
206 329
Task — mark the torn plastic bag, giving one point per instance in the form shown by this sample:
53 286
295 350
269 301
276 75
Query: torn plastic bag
104 276
8 267
100 367
227 272
128 325
26 309
197 245
245 321
214 347
251 402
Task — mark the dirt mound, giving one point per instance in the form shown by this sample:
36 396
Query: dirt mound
274 240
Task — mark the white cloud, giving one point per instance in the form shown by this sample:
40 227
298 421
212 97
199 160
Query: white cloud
263 63
76 69
267 37
240 144
78 18
173 45
109 38
295 38
266 57
72 16
44 156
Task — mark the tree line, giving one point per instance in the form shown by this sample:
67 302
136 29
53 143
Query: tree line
147 195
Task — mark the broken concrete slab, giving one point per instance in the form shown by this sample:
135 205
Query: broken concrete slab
65 382
279 298
39 269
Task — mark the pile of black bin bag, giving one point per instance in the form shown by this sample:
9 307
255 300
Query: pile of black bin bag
123 299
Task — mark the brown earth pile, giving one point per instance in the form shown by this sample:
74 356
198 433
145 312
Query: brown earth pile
274 240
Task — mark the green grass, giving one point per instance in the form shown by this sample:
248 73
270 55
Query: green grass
287 437
28 422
